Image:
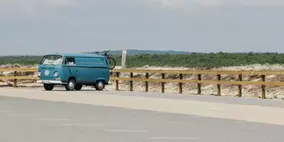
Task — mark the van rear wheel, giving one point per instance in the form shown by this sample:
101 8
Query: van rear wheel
100 85
71 85
48 87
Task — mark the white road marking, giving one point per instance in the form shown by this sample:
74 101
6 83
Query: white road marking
217 109
50 119
127 131
21 115
173 138
5 111
84 125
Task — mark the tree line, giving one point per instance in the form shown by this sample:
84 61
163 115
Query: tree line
195 60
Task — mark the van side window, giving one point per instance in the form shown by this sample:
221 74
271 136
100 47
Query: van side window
70 61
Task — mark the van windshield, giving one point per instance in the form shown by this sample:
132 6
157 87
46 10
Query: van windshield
55 60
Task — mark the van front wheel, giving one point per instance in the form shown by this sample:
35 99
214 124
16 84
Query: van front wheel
71 85
100 85
48 87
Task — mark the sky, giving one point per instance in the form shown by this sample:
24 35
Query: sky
29 27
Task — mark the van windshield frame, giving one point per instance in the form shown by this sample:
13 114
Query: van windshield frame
54 60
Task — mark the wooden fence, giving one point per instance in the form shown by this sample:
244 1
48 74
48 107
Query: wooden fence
116 76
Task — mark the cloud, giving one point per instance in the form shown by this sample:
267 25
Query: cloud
188 4
262 3
9 8
170 3
62 3
35 7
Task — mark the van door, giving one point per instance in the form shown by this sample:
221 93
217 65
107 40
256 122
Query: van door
98 68
86 69
70 69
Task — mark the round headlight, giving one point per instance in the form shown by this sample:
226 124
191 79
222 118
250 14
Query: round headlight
56 74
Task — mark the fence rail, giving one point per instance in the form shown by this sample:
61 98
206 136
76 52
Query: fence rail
116 76
19 69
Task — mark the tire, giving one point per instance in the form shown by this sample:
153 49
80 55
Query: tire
100 85
78 87
112 62
48 87
71 85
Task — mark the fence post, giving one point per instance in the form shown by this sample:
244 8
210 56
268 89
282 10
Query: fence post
117 82
146 83
123 58
15 80
199 84
219 85
263 96
131 82
163 83
180 84
240 86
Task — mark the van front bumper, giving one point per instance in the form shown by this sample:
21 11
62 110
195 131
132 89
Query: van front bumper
51 82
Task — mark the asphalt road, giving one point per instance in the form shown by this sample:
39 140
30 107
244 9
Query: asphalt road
26 120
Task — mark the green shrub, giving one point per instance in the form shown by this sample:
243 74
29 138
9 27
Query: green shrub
199 60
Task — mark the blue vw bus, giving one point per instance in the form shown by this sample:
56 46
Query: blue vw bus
73 71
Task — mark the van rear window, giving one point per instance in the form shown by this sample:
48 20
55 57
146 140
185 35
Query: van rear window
90 61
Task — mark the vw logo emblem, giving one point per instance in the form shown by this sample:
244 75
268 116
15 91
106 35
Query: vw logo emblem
46 73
